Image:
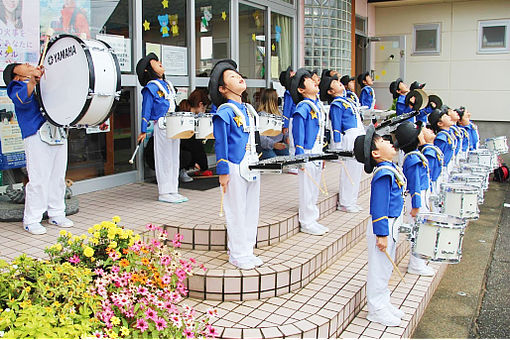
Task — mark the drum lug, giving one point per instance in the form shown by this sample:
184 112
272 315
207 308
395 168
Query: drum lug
405 229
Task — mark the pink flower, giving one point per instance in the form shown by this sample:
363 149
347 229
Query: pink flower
150 226
155 243
114 255
151 314
142 325
142 290
212 312
115 269
165 260
74 259
176 320
181 274
99 271
166 279
212 332
160 324
98 334
188 333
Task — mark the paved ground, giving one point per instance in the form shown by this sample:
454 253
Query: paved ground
457 300
494 317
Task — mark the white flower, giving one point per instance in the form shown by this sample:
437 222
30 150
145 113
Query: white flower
2 334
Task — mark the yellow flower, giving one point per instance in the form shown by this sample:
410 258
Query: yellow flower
115 321
83 236
58 247
137 237
111 236
97 227
124 331
48 275
76 238
70 242
92 259
88 251
63 233
91 230
116 219
97 234
113 244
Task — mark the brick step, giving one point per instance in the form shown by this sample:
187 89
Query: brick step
288 265
322 309
203 228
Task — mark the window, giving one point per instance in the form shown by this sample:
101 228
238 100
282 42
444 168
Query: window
427 39
493 36
281 43
252 41
361 25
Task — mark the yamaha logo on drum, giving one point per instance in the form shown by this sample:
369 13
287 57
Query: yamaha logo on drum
61 55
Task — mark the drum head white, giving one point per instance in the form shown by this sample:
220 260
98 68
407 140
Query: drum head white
64 88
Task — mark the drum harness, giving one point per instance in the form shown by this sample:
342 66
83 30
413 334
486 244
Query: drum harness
402 183
170 94
319 141
425 163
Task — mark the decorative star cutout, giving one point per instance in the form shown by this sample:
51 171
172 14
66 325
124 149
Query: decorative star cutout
273 47
9 49
238 121
164 3
346 105
224 15
313 114
253 37
146 25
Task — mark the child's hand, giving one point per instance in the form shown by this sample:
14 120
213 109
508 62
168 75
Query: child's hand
382 242
415 211
279 146
224 179
141 137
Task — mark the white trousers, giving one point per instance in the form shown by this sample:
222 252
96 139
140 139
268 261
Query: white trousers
350 171
241 203
309 192
166 159
379 270
414 261
46 167
292 148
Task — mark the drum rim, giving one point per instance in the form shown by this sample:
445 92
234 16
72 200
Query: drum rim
92 80
118 86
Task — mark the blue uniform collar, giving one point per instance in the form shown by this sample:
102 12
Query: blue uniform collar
239 105
385 163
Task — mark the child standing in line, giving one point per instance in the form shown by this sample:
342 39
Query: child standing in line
440 123
367 94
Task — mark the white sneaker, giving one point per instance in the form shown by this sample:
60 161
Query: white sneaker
257 262
61 221
395 311
181 197
293 171
35 228
353 209
423 271
312 230
321 227
384 317
184 177
172 198
245 264
360 208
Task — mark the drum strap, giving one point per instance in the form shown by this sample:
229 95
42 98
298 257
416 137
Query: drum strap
320 116
439 153
399 176
51 134
346 104
169 93
448 136
253 121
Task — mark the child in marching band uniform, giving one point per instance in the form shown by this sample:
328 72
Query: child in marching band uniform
367 94
234 132
346 125
46 158
158 99
434 157
415 168
288 104
349 83
308 131
471 129
386 204
455 131
440 123
399 90
422 116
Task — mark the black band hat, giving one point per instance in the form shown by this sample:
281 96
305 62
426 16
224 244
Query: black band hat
346 79
362 77
326 73
461 110
444 109
324 86
294 84
142 65
436 100
415 86
9 73
285 78
394 86
314 71
435 117
421 99
406 134
362 149
214 79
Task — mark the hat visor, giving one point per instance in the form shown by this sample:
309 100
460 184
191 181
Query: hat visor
415 135
295 83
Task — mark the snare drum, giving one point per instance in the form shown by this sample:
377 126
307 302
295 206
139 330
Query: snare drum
269 124
459 200
479 170
204 126
81 83
481 157
438 237
180 125
470 179
497 144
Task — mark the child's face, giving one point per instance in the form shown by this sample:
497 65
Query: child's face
351 85
445 122
333 73
233 81
421 138
336 88
428 134
316 79
292 73
369 81
454 116
311 88
26 70
403 88
385 150
157 66
466 117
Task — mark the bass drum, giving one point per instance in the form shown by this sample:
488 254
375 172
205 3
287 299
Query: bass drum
81 84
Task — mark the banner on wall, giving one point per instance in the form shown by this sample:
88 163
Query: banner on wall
19 32
121 47
64 16
11 143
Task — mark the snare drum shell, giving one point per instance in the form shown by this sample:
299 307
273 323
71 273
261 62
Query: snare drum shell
180 125
204 127
461 204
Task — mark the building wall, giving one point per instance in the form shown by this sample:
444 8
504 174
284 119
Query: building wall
458 74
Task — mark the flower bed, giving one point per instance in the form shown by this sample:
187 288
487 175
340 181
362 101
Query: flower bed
109 283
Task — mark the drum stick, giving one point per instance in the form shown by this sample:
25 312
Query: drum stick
221 203
314 181
323 178
134 153
394 265
49 33
347 172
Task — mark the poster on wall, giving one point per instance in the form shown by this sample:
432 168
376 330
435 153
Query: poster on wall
11 144
122 48
66 16
175 60
19 32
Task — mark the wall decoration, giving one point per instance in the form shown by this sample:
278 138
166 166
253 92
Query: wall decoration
121 47
253 37
146 25
224 15
163 22
164 3
173 23
257 17
12 151
206 17
278 33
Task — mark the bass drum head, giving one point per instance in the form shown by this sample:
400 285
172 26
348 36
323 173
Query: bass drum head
64 87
